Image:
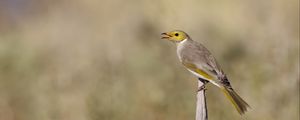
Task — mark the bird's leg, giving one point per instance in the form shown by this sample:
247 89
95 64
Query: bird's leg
202 87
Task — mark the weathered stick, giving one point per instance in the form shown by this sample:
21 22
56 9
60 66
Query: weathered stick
201 110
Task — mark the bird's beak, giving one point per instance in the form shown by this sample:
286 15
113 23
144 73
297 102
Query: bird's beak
165 36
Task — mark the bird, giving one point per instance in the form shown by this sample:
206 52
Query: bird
198 60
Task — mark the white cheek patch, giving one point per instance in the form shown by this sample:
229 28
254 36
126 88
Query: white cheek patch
183 41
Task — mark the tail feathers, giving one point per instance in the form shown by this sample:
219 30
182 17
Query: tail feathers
240 105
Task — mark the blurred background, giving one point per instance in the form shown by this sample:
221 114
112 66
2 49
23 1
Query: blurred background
104 59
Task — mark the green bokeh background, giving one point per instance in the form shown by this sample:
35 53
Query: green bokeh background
104 59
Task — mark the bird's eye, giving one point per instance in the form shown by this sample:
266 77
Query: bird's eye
176 34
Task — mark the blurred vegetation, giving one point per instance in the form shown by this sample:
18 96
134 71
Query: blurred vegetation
104 60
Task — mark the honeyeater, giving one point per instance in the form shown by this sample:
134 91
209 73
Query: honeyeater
199 61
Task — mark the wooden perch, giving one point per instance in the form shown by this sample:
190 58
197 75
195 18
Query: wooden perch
201 110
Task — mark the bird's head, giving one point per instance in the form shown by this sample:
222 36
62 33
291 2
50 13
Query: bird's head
174 36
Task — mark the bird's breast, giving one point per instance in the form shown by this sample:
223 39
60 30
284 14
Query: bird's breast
180 48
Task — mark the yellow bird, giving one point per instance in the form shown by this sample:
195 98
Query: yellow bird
199 61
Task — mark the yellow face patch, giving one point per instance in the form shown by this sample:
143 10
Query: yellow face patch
175 36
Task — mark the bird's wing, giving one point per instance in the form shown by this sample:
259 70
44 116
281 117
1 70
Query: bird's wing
202 73
200 62
221 76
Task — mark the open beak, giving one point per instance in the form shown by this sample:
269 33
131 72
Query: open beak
165 36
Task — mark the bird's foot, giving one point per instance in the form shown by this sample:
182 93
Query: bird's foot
202 87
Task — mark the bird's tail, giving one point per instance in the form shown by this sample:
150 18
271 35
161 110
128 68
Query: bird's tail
240 105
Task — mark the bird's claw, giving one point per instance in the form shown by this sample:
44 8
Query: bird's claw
201 88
